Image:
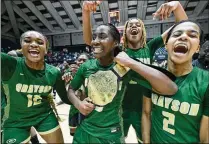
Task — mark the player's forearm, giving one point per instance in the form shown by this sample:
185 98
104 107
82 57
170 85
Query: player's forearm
145 127
179 13
146 117
73 98
159 81
61 90
87 33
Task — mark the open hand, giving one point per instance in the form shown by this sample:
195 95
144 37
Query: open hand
164 11
67 77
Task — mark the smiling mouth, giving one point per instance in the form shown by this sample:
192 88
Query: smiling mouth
34 53
97 50
181 49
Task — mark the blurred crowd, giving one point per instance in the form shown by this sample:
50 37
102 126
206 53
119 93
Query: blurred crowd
57 57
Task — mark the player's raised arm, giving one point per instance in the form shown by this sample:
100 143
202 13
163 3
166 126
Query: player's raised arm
165 10
160 82
88 7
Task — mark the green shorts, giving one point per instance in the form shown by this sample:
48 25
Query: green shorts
132 118
82 136
22 135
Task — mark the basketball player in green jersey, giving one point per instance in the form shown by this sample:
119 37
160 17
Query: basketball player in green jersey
182 118
105 87
135 46
27 83
34 137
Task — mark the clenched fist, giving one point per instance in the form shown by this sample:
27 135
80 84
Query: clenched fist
123 59
85 107
90 6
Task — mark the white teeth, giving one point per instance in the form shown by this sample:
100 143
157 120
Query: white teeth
134 30
98 50
33 51
184 45
33 54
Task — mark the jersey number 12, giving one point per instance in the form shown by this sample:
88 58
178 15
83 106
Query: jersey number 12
33 100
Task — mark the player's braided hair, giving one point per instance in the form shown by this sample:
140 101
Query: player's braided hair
22 36
51 101
143 38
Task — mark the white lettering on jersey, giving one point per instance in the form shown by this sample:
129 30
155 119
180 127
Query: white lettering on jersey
18 87
24 88
184 108
175 105
167 102
194 109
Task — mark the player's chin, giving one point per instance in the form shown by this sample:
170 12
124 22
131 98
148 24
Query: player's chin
34 59
135 39
178 61
97 55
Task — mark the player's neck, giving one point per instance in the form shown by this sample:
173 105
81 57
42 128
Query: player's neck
105 61
36 66
179 69
134 45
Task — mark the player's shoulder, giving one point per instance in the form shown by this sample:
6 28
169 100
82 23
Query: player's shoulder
52 69
89 63
201 72
200 77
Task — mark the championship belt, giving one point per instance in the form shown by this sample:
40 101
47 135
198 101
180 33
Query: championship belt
120 70
102 88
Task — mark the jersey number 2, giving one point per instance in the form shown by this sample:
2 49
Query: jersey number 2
33 100
169 120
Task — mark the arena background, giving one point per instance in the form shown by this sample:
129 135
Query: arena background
61 22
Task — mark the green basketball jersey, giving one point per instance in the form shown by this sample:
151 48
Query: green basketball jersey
176 119
103 84
133 99
27 91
